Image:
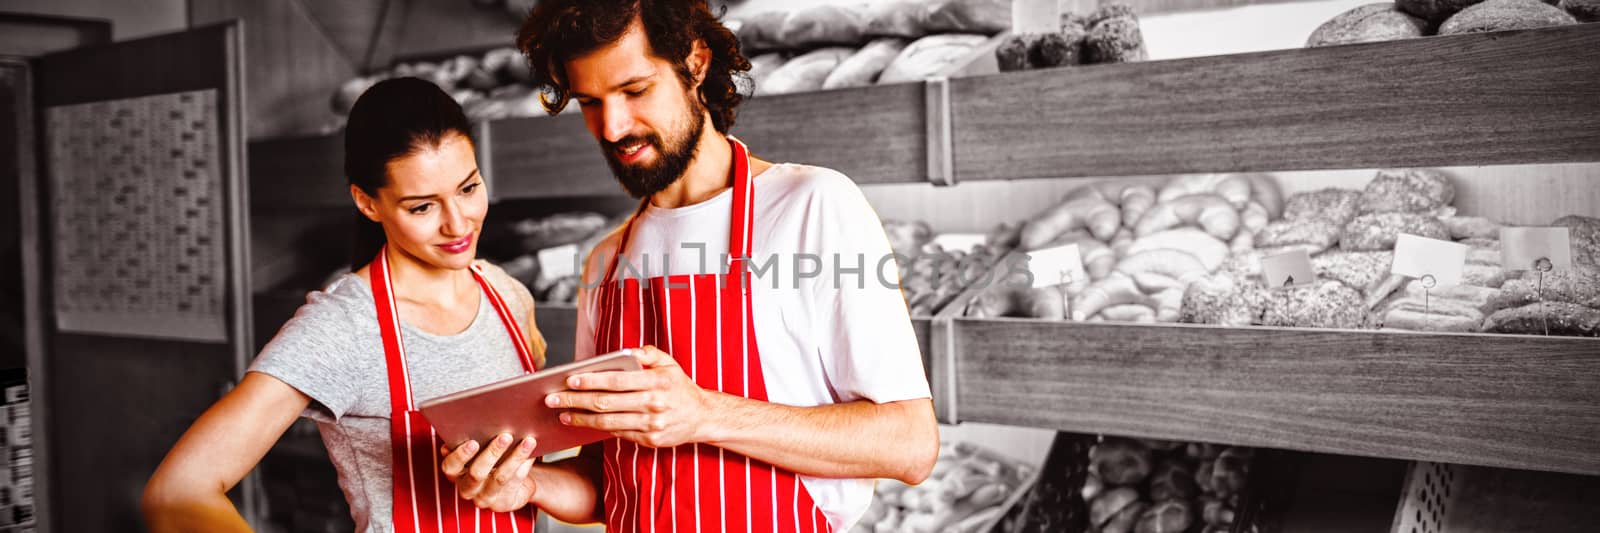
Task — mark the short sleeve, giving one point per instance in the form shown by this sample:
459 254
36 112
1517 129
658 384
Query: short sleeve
316 353
868 348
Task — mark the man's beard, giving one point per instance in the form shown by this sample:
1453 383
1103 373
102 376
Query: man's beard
672 158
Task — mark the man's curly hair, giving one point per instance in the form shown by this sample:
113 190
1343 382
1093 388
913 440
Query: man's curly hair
558 30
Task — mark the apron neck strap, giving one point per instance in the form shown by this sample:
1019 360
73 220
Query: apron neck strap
401 397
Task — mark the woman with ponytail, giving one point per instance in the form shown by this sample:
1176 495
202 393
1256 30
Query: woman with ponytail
419 317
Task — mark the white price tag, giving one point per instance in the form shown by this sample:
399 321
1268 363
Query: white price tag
1288 269
1522 248
959 242
1055 266
1035 16
558 262
1421 257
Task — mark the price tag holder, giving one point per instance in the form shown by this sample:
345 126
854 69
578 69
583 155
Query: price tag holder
558 262
1288 269
1442 261
1055 266
1523 248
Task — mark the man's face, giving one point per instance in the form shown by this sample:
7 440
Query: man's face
635 104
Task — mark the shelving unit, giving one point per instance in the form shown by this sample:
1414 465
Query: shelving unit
1518 97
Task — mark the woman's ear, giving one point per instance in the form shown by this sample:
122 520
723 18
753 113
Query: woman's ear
367 205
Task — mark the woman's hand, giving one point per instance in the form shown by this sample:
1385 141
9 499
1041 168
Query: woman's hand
489 482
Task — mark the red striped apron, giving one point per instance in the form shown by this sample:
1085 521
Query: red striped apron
704 321
425 500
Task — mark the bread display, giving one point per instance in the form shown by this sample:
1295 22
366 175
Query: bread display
1378 231
1412 190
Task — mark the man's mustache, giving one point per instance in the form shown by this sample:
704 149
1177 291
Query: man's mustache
650 139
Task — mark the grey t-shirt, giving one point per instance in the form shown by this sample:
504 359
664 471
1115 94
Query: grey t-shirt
332 351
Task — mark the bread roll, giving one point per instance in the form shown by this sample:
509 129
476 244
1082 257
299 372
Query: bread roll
1359 270
1368 23
1225 299
1060 49
862 68
1499 15
1463 228
1014 52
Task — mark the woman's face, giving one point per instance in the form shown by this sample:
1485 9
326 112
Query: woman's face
434 204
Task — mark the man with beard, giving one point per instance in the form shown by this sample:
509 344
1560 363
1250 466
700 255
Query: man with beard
768 402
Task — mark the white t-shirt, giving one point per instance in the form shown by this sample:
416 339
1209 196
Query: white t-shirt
830 321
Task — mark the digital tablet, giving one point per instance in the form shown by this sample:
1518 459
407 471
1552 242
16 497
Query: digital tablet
516 406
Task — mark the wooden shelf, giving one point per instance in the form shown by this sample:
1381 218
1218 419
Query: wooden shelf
1493 400
1480 99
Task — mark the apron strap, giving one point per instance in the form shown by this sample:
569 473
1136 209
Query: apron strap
401 397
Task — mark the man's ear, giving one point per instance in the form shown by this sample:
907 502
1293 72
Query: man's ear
699 61
367 205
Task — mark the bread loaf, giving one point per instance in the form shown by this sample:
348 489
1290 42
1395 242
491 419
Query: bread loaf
1368 23
1114 36
1560 317
823 25
1060 49
804 73
759 32
1378 231
1415 190
1325 304
762 67
1499 15
894 18
986 17
1012 54
1433 11
862 68
1315 235
1463 228
1360 270
1337 206
1583 10
929 56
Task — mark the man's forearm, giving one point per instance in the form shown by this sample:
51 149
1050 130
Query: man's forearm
859 439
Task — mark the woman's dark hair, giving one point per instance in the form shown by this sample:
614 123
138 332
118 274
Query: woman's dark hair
559 30
395 118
